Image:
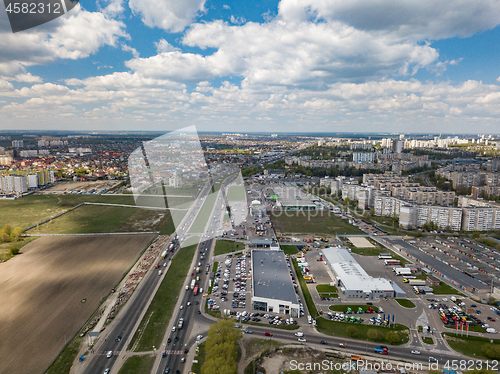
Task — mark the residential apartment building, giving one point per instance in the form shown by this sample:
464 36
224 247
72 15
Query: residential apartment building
13 183
481 218
416 215
363 156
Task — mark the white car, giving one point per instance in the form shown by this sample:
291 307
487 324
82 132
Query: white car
415 352
303 340
109 354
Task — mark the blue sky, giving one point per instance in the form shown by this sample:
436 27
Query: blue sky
289 65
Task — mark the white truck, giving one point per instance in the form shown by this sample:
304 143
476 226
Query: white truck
193 283
181 323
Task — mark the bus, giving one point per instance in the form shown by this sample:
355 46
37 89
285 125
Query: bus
356 358
195 291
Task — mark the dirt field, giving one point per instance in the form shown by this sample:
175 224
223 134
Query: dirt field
360 242
74 187
41 293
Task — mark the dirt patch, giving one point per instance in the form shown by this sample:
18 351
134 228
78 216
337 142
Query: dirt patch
360 242
76 187
42 291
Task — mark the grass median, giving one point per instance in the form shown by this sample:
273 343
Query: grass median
227 246
406 303
138 365
157 317
395 335
305 291
289 249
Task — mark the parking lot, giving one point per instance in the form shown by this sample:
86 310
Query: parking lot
231 293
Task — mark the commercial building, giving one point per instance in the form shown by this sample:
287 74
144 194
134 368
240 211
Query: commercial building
351 279
293 199
272 288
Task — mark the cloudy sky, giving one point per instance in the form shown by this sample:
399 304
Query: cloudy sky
421 66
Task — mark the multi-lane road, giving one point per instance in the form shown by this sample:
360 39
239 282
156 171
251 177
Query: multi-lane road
175 342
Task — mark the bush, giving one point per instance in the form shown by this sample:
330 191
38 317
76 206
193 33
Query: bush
14 251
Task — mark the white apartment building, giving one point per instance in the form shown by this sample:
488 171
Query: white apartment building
363 156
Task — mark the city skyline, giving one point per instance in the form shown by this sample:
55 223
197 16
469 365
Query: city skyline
272 67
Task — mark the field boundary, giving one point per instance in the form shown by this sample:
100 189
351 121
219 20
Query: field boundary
98 233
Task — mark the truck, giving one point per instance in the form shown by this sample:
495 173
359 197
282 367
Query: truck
193 283
416 282
197 270
171 247
402 271
195 290
157 265
181 323
164 254
381 350
392 262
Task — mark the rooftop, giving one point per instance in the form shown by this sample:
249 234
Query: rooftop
271 278
353 276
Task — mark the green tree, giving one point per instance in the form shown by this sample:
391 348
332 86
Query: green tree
7 229
352 331
221 351
492 351
16 233
392 337
375 334
4 238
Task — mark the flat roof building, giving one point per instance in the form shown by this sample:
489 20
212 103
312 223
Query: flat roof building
293 198
352 279
272 288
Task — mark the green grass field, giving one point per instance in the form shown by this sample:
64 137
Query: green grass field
33 209
236 193
406 303
289 249
227 246
444 289
357 331
313 223
157 317
138 365
354 307
325 288
474 346
105 218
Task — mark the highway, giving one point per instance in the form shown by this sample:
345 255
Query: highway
177 341
123 326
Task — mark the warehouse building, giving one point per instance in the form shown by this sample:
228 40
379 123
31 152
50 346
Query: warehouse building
291 198
352 280
272 288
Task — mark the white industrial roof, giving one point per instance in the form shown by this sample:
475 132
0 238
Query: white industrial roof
353 276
